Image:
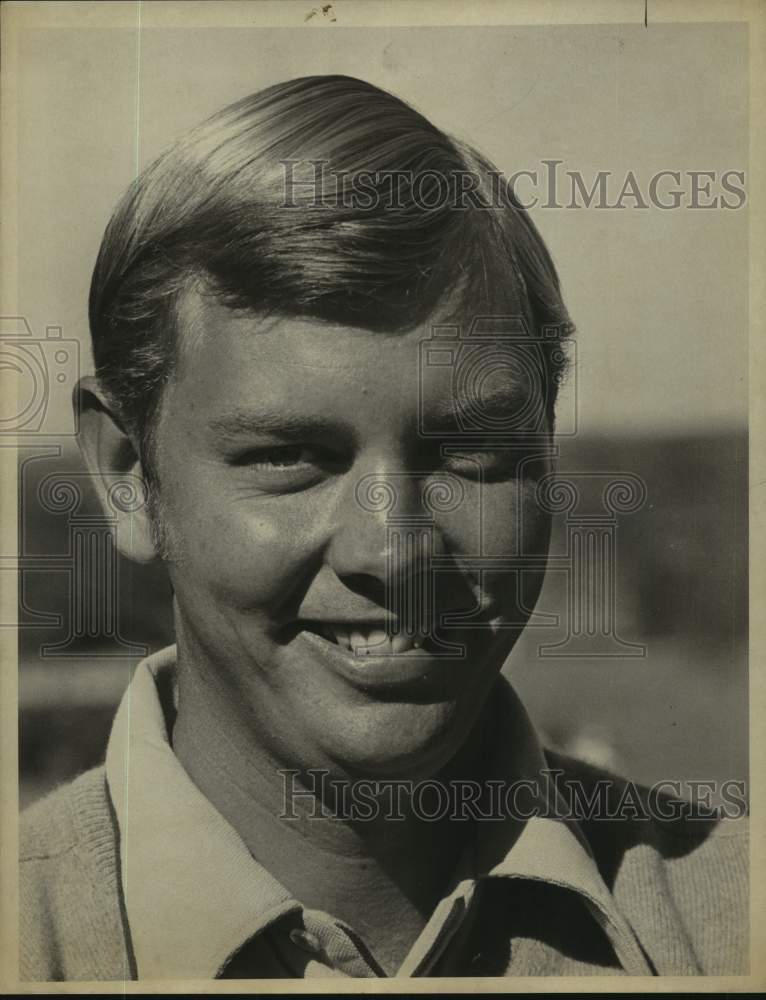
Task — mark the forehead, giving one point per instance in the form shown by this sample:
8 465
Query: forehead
231 359
235 360
207 326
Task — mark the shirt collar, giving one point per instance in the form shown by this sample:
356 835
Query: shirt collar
182 861
545 846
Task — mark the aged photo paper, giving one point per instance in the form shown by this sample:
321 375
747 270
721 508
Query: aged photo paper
382 440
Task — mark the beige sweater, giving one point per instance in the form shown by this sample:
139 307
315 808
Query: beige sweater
681 884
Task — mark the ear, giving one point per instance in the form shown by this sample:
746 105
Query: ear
112 458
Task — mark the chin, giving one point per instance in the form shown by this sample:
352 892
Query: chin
399 740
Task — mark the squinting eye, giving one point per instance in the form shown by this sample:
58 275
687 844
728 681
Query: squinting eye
285 457
489 465
287 468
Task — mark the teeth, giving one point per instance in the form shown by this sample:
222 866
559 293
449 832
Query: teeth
341 636
401 643
357 640
370 642
377 638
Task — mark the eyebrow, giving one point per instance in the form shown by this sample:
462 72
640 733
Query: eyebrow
287 424
293 426
495 402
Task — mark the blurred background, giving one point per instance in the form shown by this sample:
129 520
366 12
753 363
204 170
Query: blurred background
659 388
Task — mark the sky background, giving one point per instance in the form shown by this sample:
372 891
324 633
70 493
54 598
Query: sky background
659 297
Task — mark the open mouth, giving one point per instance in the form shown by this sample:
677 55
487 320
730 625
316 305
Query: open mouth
365 639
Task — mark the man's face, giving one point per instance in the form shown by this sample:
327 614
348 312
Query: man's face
316 540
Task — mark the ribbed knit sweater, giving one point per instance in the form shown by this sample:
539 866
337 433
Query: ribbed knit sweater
682 884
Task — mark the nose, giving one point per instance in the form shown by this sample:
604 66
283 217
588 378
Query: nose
383 532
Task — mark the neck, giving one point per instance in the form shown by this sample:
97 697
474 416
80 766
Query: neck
370 873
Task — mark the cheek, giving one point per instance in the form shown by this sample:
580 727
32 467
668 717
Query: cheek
243 553
499 519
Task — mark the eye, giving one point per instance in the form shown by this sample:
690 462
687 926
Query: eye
491 464
286 468
282 457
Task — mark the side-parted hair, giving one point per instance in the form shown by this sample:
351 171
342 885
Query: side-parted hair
227 207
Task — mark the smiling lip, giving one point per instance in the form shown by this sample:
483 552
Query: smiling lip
367 638
370 669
